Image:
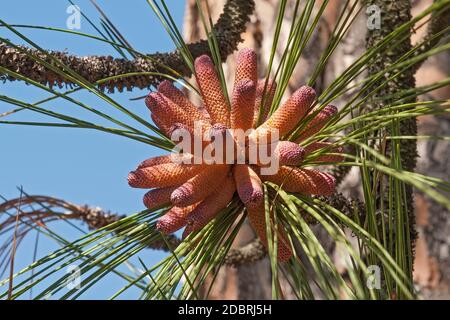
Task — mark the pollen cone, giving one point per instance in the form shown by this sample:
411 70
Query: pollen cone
176 95
211 90
242 105
304 181
257 219
329 148
166 111
200 186
157 198
265 97
162 175
248 185
289 153
286 117
174 219
155 160
318 122
210 207
246 66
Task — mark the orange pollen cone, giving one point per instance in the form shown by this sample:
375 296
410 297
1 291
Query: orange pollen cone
286 117
242 105
318 122
248 185
167 111
265 97
174 219
246 66
176 95
328 147
158 198
155 160
210 207
162 175
211 90
257 219
200 186
304 181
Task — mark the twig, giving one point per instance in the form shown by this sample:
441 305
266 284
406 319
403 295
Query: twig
97 218
228 28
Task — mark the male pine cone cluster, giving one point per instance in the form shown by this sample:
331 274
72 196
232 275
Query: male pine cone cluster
198 192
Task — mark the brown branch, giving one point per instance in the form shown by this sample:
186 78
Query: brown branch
341 172
251 252
43 209
348 206
228 28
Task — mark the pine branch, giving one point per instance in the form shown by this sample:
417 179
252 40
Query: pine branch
43 209
228 29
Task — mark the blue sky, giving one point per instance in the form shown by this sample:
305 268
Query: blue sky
80 166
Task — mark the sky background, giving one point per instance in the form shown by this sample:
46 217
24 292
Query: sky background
78 165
